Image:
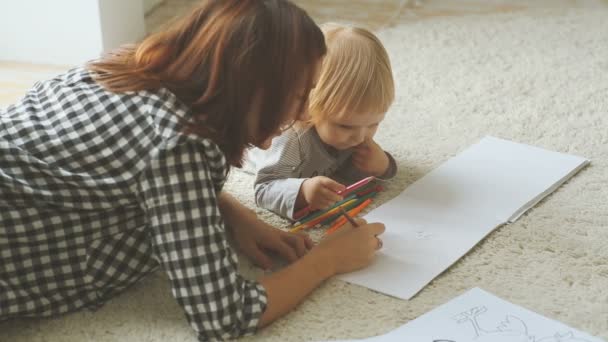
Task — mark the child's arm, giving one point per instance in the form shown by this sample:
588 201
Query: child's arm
277 183
279 196
287 196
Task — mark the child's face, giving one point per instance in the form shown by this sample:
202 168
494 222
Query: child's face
346 131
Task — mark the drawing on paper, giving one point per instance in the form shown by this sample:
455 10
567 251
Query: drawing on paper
423 235
511 329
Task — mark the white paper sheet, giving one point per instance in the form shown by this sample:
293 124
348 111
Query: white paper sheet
478 316
439 218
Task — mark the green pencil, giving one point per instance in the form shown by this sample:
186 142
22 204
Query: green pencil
360 200
311 217
335 216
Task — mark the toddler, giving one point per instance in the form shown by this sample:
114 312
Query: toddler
354 91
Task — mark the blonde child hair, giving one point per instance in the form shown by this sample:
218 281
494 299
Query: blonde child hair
356 75
354 90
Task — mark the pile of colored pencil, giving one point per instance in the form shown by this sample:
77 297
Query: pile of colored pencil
356 198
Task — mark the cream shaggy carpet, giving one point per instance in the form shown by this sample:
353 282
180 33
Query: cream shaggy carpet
535 77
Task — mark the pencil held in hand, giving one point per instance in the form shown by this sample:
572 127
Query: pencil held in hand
350 219
340 222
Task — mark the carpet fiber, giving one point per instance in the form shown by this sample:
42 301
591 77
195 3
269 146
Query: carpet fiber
539 78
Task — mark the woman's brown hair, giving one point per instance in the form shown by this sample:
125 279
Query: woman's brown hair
224 60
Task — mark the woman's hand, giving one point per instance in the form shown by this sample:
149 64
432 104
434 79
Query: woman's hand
370 158
352 248
257 239
260 240
347 250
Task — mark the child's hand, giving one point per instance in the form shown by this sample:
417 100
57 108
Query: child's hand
321 192
370 158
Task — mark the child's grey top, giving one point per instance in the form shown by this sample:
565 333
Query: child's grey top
294 156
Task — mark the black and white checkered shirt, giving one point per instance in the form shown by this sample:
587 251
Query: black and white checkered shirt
97 189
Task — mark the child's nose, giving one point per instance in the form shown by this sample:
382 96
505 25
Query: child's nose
359 136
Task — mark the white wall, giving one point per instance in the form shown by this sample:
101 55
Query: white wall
67 32
122 21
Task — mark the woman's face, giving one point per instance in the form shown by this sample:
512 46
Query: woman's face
294 114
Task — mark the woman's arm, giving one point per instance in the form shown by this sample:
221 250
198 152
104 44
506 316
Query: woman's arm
285 289
346 251
188 236
255 237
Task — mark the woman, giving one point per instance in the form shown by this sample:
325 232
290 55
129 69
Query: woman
114 169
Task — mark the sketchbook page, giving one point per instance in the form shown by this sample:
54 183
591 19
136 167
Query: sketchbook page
418 245
544 194
495 176
439 218
532 171
478 316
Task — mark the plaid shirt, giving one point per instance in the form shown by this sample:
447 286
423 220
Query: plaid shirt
97 190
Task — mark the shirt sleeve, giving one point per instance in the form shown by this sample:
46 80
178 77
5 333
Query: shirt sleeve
276 185
350 174
190 242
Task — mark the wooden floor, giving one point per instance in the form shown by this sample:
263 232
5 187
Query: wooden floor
15 78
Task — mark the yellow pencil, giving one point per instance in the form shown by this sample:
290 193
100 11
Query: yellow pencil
321 218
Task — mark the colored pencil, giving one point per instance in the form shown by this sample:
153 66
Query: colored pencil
331 212
320 218
360 200
318 213
351 213
348 218
355 186
336 216
375 188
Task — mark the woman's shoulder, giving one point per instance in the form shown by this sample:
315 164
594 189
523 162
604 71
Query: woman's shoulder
206 154
205 149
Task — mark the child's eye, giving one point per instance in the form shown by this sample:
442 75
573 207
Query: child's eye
345 126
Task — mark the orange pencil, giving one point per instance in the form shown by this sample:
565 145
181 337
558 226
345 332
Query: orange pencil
353 212
319 219
348 218
339 223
